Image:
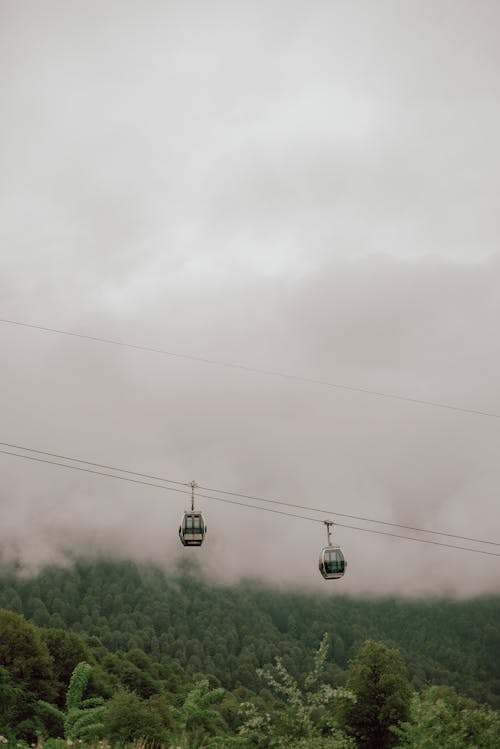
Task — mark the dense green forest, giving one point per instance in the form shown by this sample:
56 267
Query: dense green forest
185 657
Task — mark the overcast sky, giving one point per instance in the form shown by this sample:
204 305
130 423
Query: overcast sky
309 187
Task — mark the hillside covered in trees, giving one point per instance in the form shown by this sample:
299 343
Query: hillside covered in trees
167 647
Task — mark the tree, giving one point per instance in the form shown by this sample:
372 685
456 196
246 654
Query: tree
442 718
377 677
25 655
197 717
129 718
13 703
67 650
304 721
84 718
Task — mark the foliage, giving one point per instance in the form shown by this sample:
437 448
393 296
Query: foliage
67 649
303 719
52 718
24 654
128 718
84 719
377 677
441 718
150 639
197 717
234 631
11 697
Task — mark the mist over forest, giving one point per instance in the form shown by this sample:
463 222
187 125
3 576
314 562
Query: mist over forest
253 246
260 435
311 193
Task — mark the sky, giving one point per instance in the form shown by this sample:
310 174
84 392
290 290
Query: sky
307 187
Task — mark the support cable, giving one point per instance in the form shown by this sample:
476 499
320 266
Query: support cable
255 498
243 504
256 370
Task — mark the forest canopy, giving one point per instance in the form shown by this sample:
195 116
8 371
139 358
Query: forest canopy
159 645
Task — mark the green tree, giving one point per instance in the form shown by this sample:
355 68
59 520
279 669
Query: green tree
304 721
128 718
84 718
197 718
67 650
442 718
13 703
25 655
188 628
377 677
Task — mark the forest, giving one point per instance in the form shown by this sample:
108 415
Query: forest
108 650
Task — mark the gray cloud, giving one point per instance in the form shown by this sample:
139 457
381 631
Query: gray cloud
304 188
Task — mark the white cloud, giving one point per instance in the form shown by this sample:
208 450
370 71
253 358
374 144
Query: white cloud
310 188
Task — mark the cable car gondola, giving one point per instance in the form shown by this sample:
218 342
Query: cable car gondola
192 529
332 563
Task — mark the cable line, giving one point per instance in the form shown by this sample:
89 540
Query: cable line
95 473
352 517
256 370
91 463
267 500
243 504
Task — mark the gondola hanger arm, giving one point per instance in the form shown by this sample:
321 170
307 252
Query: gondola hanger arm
193 486
329 524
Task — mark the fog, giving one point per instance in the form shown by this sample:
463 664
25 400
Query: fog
310 188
